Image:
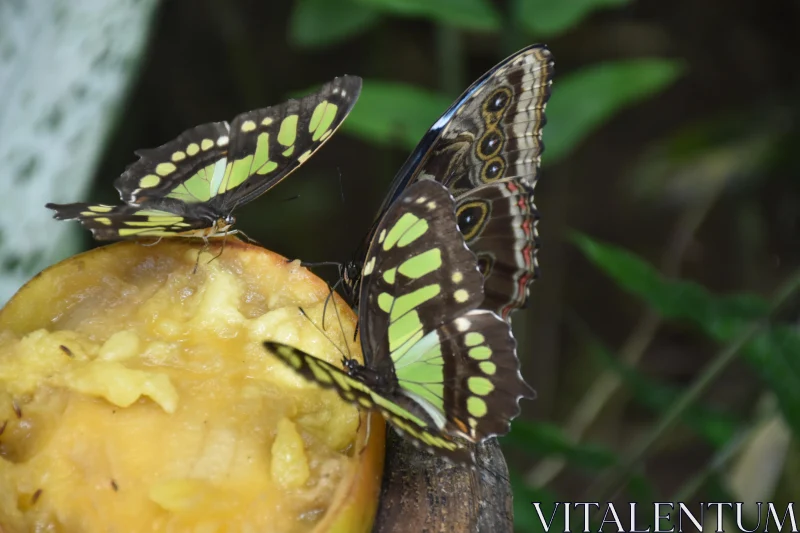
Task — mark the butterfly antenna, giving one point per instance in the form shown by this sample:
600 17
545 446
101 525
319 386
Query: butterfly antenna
327 298
151 243
290 198
341 324
322 331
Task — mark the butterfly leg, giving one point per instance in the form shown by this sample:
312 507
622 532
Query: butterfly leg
151 243
203 249
248 238
327 298
221 249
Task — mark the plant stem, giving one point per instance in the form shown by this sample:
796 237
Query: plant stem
611 481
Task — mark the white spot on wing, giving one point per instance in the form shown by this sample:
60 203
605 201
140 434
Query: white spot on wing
369 266
462 324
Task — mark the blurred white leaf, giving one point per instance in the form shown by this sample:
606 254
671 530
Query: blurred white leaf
65 66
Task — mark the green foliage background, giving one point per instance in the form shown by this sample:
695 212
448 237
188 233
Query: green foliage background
663 334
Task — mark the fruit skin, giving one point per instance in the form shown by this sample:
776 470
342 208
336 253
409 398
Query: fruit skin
58 289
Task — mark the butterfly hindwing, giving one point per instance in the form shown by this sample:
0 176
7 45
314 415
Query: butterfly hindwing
107 222
499 221
400 416
482 381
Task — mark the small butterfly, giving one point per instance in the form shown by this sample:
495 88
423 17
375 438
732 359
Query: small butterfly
190 186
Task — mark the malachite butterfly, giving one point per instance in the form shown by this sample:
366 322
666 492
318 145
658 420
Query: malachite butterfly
438 368
190 186
486 150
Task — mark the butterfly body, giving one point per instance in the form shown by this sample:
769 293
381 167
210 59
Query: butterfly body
486 150
190 186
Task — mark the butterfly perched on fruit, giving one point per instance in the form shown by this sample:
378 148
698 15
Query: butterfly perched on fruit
190 186
436 367
486 150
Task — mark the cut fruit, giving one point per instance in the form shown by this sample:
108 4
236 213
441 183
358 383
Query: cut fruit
136 393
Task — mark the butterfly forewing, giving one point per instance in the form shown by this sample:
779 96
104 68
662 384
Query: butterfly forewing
492 135
491 132
498 221
417 274
268 144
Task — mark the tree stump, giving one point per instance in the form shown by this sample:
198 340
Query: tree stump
424 493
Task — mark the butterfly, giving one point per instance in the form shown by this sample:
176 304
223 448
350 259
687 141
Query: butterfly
190 186
486 150
436 367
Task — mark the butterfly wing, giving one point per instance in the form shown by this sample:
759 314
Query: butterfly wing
398 410
182 169
481 384
107 222
418 273
493 131
223 165
491 134
498 221
420 288
269 144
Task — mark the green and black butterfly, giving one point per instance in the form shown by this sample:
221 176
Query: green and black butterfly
436 367
190 186
486 150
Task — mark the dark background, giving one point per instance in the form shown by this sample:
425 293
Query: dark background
671 138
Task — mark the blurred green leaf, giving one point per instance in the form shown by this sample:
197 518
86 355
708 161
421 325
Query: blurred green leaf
723 315
542 438
393 113
467 14
546 18
587 98
324 22
699 160
774 353
714 426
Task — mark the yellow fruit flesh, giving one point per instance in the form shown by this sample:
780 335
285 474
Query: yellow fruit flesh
136 395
